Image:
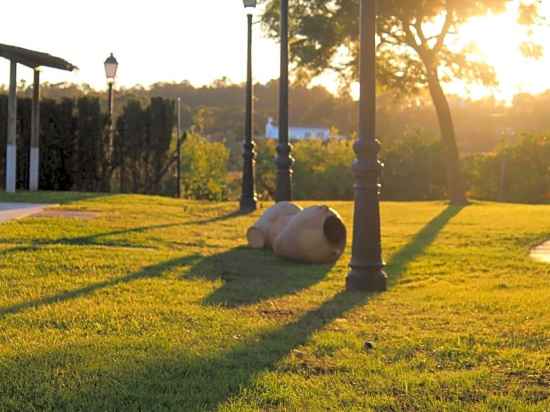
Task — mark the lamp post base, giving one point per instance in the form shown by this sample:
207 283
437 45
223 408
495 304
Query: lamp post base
367 279
248 207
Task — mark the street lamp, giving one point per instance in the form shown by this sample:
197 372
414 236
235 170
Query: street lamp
284 159
248 194
366 266
111 67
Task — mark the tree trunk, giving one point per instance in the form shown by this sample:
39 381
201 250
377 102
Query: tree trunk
455 179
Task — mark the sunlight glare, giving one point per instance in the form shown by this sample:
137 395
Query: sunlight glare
498 40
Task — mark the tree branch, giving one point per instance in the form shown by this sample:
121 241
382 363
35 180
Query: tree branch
444 30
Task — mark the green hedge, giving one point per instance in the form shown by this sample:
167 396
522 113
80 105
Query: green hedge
74 152
142 145
70 143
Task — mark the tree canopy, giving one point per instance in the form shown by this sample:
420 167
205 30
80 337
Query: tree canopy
414 36
415 51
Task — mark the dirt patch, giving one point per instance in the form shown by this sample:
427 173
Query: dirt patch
68 214
542 252
13 211
275 313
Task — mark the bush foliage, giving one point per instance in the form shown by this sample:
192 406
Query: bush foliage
413 170
515 173
204 169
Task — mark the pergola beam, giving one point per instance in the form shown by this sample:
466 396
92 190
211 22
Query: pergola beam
34 59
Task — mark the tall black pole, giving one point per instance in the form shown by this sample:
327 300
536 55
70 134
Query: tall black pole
110 101
284 159
178 150
366 267
248 194
122 132
109 152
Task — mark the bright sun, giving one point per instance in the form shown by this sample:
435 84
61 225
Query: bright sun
498 40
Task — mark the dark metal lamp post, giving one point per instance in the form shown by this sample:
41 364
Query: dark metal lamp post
284 159
366 267
111 67
248 194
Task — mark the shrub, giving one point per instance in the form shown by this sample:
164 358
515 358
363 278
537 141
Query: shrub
266 171
323 169
515 173
204 169
413 170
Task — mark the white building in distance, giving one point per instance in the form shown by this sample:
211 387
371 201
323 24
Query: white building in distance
296 133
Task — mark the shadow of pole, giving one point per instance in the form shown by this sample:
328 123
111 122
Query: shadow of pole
151 271
251 276
148 272
94 239
420 242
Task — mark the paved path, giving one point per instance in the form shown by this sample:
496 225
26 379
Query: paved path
11 211
542 252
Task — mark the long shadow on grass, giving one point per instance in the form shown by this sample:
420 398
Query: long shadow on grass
419 243
148 272
96 238
215 219
88 240
178 381
251 276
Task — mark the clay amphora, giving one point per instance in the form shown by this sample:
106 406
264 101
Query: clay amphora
262 234
315 235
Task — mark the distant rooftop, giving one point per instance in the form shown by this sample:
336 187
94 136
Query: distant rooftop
297 132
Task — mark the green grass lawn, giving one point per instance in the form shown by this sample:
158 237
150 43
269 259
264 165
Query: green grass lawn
157 304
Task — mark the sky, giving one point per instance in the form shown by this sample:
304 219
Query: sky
204 40
161 40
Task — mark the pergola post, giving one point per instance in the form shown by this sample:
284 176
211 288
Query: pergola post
34 165
11 148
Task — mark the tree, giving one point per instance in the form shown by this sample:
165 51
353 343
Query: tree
414 50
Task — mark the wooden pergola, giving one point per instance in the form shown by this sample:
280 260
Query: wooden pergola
35 60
